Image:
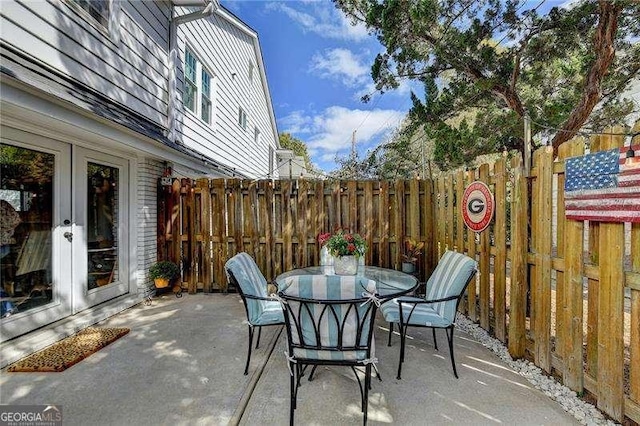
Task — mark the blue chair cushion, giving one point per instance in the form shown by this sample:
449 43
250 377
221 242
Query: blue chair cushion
272 314
252 282
448 279
423 314
319 316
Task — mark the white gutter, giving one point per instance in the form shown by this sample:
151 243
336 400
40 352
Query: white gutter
209 6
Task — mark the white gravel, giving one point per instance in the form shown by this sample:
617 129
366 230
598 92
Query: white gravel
584 412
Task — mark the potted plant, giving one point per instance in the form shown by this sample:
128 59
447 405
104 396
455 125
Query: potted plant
163 272
412 249
346 248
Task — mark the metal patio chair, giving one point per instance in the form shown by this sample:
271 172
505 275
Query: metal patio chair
261 310
329 321
437 309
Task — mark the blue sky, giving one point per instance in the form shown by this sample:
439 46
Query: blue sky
318 67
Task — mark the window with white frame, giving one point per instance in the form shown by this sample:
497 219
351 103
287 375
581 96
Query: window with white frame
97 9
257 138
198 87
190 86
242 118
205 109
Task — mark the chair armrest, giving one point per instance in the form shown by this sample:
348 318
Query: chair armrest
251 296
444 299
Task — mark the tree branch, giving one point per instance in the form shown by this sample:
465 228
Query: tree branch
605 53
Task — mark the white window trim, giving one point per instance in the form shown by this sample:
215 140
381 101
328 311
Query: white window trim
243 118
200 66
110 29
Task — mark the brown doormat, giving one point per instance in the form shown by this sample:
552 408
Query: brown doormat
69 351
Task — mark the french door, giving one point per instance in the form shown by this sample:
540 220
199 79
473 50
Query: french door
63 230
100 237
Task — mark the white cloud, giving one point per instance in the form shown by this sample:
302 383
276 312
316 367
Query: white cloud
342 65
329 132
296 122
323 19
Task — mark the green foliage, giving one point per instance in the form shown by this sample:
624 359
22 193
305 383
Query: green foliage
164 269
287 141
486 63
343 243
412 249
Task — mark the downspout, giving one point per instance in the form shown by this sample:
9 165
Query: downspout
210 7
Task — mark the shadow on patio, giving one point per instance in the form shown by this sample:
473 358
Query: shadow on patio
182 364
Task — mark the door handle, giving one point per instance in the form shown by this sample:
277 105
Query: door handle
68 236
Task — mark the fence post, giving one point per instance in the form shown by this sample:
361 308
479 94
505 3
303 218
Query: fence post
634 341
519 249
542 293
500 260
611 312
471 242
485 263
205 231
592 289
572 287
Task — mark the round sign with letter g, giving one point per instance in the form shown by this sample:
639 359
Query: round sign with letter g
478 206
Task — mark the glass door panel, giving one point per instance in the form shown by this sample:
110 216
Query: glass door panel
102 225
100 232
26 213
35 217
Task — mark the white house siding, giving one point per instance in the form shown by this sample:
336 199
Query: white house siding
226 47
128 63
149 171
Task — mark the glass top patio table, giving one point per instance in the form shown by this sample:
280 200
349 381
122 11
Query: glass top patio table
389 282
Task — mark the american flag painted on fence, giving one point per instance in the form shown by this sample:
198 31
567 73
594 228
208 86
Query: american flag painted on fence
603 186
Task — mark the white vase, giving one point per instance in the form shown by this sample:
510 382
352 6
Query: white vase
325 258
345 265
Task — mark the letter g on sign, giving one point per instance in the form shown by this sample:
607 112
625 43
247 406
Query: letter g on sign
477 206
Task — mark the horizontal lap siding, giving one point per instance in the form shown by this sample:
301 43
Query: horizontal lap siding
224 49
147 192
128 66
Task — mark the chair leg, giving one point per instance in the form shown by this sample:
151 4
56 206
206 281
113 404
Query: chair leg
390 333
367 386
453 361
403 331
246 367
360 383
294 391
435 341
259 333
313 370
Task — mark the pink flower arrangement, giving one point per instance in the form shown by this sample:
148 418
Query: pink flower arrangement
324 238
343 243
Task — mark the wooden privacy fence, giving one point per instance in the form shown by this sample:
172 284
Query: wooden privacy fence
204 223
553 289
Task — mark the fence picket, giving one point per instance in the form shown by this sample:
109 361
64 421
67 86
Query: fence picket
542 324
518 284
500 260
471 247
569 286
485 263
611 312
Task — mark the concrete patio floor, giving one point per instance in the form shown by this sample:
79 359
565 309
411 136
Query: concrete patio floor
182 364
